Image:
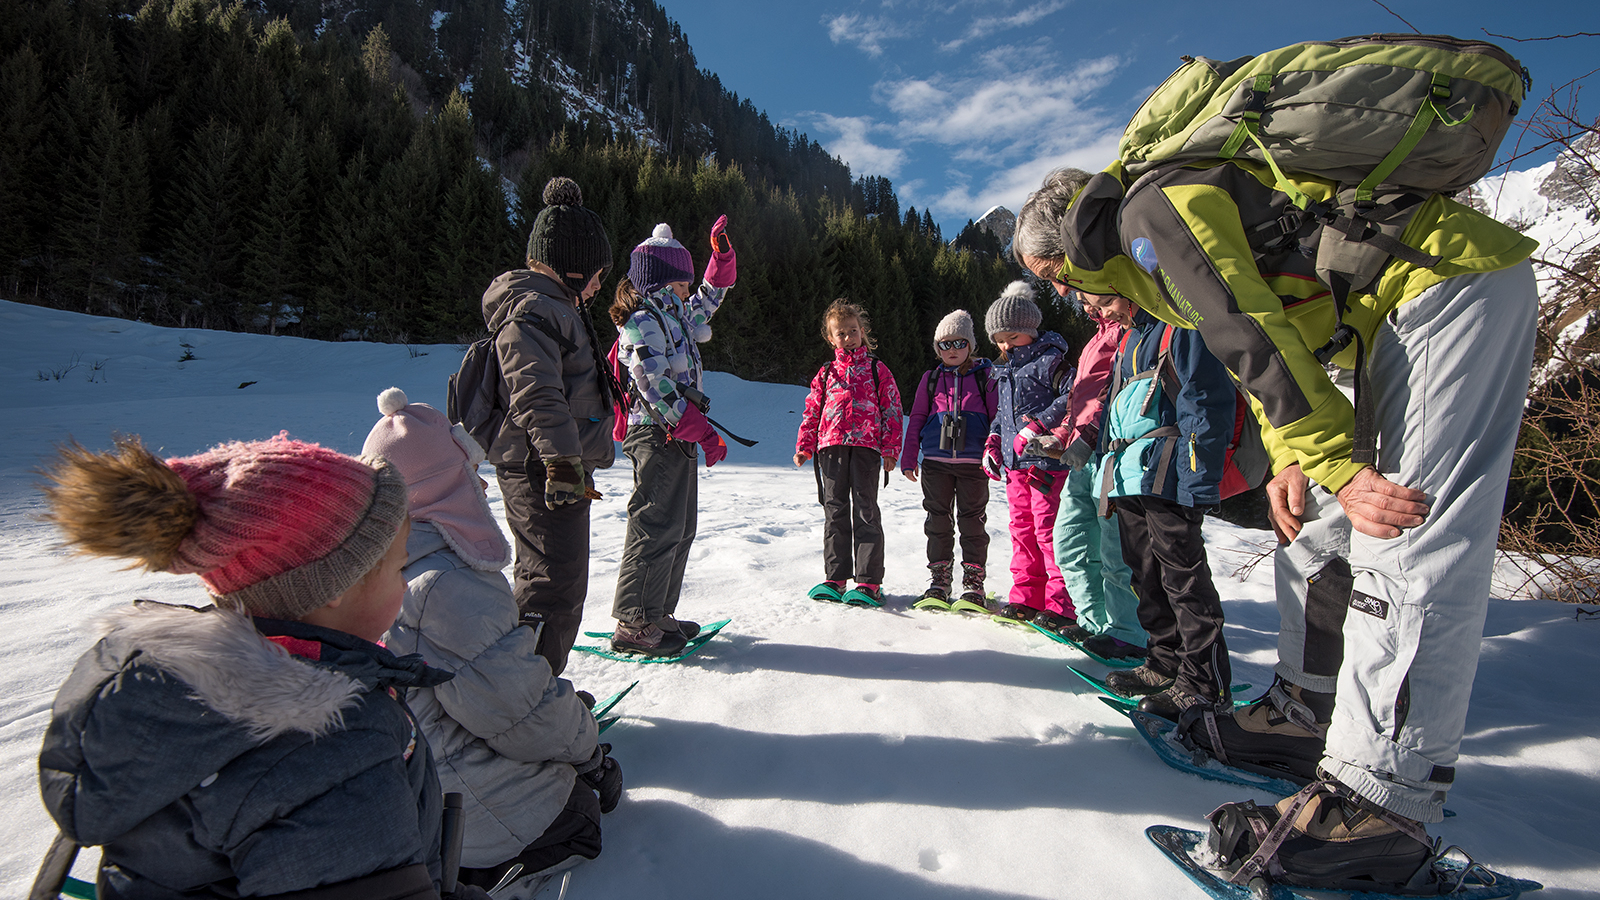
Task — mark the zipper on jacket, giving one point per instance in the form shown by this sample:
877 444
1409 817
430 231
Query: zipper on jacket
1193 442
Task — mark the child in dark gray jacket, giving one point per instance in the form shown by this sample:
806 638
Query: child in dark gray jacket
514 739
260 746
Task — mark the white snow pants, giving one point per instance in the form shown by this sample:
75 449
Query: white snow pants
1449 374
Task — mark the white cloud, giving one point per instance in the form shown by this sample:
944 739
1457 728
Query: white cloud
1006 122
867 32
987 26
857 149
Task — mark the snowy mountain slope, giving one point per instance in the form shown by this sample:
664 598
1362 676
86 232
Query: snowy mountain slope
813 750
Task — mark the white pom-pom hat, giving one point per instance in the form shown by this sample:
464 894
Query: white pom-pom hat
440 464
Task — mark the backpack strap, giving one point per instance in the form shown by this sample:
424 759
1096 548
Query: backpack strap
548 327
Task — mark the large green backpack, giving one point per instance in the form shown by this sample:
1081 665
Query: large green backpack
1378 113
1392 118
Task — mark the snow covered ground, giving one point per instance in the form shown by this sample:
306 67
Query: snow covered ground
811 750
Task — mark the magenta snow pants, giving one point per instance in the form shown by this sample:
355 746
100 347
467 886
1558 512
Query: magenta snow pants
1035 577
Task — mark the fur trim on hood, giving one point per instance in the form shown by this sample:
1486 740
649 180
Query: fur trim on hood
235 671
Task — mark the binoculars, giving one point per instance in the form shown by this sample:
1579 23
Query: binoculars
952 433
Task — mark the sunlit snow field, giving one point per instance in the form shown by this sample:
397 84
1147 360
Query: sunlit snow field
811 750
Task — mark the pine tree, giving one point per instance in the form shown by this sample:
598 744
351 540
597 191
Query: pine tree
346 293
23 114
474 244
274 269
206 236
103 215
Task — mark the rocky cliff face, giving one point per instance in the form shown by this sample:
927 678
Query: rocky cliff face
1000 222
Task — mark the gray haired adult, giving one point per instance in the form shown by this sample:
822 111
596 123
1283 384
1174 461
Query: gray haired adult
1037 243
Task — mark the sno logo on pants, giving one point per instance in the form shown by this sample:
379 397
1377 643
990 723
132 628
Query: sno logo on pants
1372 606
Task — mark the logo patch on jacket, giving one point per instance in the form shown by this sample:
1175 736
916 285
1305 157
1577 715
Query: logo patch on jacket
1372 606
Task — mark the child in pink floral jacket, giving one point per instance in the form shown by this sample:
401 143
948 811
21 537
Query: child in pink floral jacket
852 428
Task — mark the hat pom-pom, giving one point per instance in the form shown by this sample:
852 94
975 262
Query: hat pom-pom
392 401
562 191
1020 290
663 232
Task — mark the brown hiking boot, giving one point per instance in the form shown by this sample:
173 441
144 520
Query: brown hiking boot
1280 734
647 640
1138 682
1338 841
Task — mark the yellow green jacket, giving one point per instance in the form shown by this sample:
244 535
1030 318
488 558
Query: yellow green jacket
1264 317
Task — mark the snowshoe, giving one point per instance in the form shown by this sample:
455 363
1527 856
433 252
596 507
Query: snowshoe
831 591
864 595
1324 837
1015 614
971 603
688 649
1471 880
1172 703
1065 626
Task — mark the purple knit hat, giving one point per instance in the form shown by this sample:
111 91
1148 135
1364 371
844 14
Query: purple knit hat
659 261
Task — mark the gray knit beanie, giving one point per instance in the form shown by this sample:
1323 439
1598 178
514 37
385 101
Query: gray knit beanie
567 237
956 325
1014 311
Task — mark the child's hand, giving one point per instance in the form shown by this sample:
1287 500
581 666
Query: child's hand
801 457
723 268
1029 431
888 464
910 474
992 465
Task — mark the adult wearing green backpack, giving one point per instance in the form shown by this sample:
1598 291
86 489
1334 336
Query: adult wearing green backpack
1406 543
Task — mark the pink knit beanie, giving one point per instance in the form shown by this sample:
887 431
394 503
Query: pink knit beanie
440 465
282 527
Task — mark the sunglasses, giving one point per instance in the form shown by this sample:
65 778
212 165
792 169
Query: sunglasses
957 344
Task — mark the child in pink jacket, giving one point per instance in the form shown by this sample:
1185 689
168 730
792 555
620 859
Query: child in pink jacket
852 429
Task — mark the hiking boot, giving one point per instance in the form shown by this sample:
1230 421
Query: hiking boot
1065 626
646 640
1138 682
939 577
1107 647
972 584
1170 704
688 629
864 595
1017 612
1338 841
832 591
1281 733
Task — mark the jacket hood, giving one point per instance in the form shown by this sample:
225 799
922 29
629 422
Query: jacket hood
1091 232
1041 345
500 298
144 706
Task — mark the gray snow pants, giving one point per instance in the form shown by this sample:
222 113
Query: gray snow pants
1449 372
662 513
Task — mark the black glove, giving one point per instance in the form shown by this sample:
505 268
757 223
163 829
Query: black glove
603 774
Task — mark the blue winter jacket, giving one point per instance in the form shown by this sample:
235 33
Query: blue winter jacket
1026 389
1203 415
207 761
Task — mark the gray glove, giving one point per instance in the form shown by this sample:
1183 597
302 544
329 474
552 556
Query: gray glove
1077 453
563 480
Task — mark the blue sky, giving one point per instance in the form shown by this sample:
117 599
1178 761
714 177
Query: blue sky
965 104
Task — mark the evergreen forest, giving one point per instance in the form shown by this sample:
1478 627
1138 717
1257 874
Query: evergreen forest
350 171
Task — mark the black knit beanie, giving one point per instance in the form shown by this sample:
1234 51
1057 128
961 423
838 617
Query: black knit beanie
567 237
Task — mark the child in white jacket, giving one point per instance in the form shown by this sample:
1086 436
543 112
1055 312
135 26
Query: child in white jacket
516 741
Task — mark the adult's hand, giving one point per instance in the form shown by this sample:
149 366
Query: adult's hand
1378 507
910 474
1286 502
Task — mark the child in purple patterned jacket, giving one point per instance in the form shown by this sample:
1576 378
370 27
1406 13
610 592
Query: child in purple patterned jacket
852 427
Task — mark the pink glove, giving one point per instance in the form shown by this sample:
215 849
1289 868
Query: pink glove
1019 444
992 466
695 428
723 269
